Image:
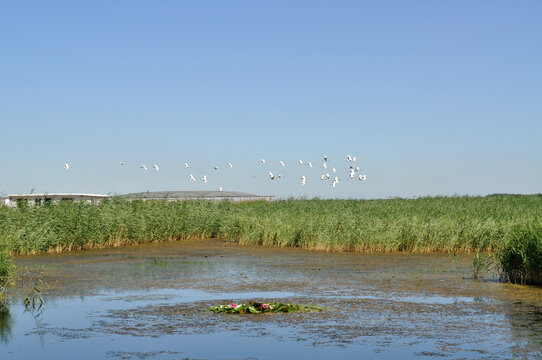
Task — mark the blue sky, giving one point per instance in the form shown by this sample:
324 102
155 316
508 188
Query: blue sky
432 97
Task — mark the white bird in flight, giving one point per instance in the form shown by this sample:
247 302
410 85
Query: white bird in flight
303 179
220 189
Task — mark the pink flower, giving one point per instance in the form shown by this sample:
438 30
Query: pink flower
232 305
264 306
270 308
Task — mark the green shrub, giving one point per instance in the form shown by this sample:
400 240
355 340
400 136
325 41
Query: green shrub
521 259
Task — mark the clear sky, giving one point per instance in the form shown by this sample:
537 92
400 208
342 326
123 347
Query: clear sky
432 97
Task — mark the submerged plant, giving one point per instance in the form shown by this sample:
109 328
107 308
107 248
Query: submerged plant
258 308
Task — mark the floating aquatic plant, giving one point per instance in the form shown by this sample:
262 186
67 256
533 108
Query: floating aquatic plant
258 308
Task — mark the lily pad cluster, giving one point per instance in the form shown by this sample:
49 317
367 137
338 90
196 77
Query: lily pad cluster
258 308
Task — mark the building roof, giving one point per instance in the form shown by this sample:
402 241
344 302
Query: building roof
190 195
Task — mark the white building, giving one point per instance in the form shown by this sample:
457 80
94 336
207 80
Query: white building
39 199
13 200
215 196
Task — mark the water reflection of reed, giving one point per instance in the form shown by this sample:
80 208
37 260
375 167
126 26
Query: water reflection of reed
525 319
6 322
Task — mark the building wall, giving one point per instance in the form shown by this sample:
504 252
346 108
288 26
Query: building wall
40 199
33 200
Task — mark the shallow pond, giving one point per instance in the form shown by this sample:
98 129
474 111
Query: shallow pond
148 302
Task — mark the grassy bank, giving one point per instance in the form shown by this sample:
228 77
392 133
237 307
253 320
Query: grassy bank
426 224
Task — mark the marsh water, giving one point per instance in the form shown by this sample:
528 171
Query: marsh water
149 302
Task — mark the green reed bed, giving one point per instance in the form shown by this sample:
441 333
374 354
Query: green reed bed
521 258
426 224
6 271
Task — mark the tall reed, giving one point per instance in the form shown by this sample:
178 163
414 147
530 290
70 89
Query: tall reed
418 225
521 258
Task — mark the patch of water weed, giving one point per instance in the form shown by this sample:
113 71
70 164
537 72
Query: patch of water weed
150 264
483 264
254 307
128 355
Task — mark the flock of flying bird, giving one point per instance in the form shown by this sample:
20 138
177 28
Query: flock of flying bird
352 171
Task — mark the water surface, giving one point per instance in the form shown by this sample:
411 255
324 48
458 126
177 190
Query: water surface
146 302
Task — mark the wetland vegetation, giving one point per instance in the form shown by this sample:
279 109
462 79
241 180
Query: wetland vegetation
508 225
